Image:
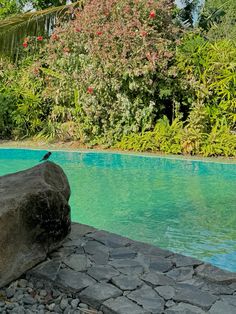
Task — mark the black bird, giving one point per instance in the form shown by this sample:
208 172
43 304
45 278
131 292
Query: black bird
46 156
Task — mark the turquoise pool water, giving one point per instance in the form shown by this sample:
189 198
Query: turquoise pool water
182 205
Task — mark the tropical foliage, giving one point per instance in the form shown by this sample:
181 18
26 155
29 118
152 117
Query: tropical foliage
218 19
124 74
10 7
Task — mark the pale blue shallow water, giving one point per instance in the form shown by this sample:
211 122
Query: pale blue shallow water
182 205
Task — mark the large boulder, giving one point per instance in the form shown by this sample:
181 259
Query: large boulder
34 217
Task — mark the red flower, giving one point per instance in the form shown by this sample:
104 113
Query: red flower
152 14
25 44
99 33
90 90
39 38
78 30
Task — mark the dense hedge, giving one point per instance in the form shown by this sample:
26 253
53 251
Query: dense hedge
123 74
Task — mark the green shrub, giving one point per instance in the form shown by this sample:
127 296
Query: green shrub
164 138
110 66
208 71
176 139
7 99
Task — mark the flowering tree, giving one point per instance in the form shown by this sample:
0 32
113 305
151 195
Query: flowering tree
111 66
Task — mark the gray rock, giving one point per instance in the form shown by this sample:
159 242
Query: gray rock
47 270
127 266
143 260
39 284
230 299
64 303
99 258
217 289
98 293
77 262
183 308
18 310
43 293
99 253
19 297
41 307
28 300
92 247
121 305
74 281
34 217
181 273
64 251
57 309
233 287
215 274
150 250
111 240
51 306
127 282
79 230
195 281
166 292
160 264
157 279
10 306
183 261
148 299
83 306
194 296
221 307
122 253
170 303
22 283
74 303
102 272
67 310
10 292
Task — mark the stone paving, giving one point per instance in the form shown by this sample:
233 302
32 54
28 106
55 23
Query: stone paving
115 275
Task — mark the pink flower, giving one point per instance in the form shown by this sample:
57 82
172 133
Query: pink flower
152 14
36 71
143 34
54 37
39 38
90 90
66 50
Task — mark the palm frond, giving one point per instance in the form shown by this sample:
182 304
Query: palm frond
14 29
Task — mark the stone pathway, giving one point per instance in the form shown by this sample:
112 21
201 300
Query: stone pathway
100 272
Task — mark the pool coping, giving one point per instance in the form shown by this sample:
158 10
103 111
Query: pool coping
218 160
116 275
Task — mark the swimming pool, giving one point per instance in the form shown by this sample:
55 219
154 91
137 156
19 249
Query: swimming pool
183 205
